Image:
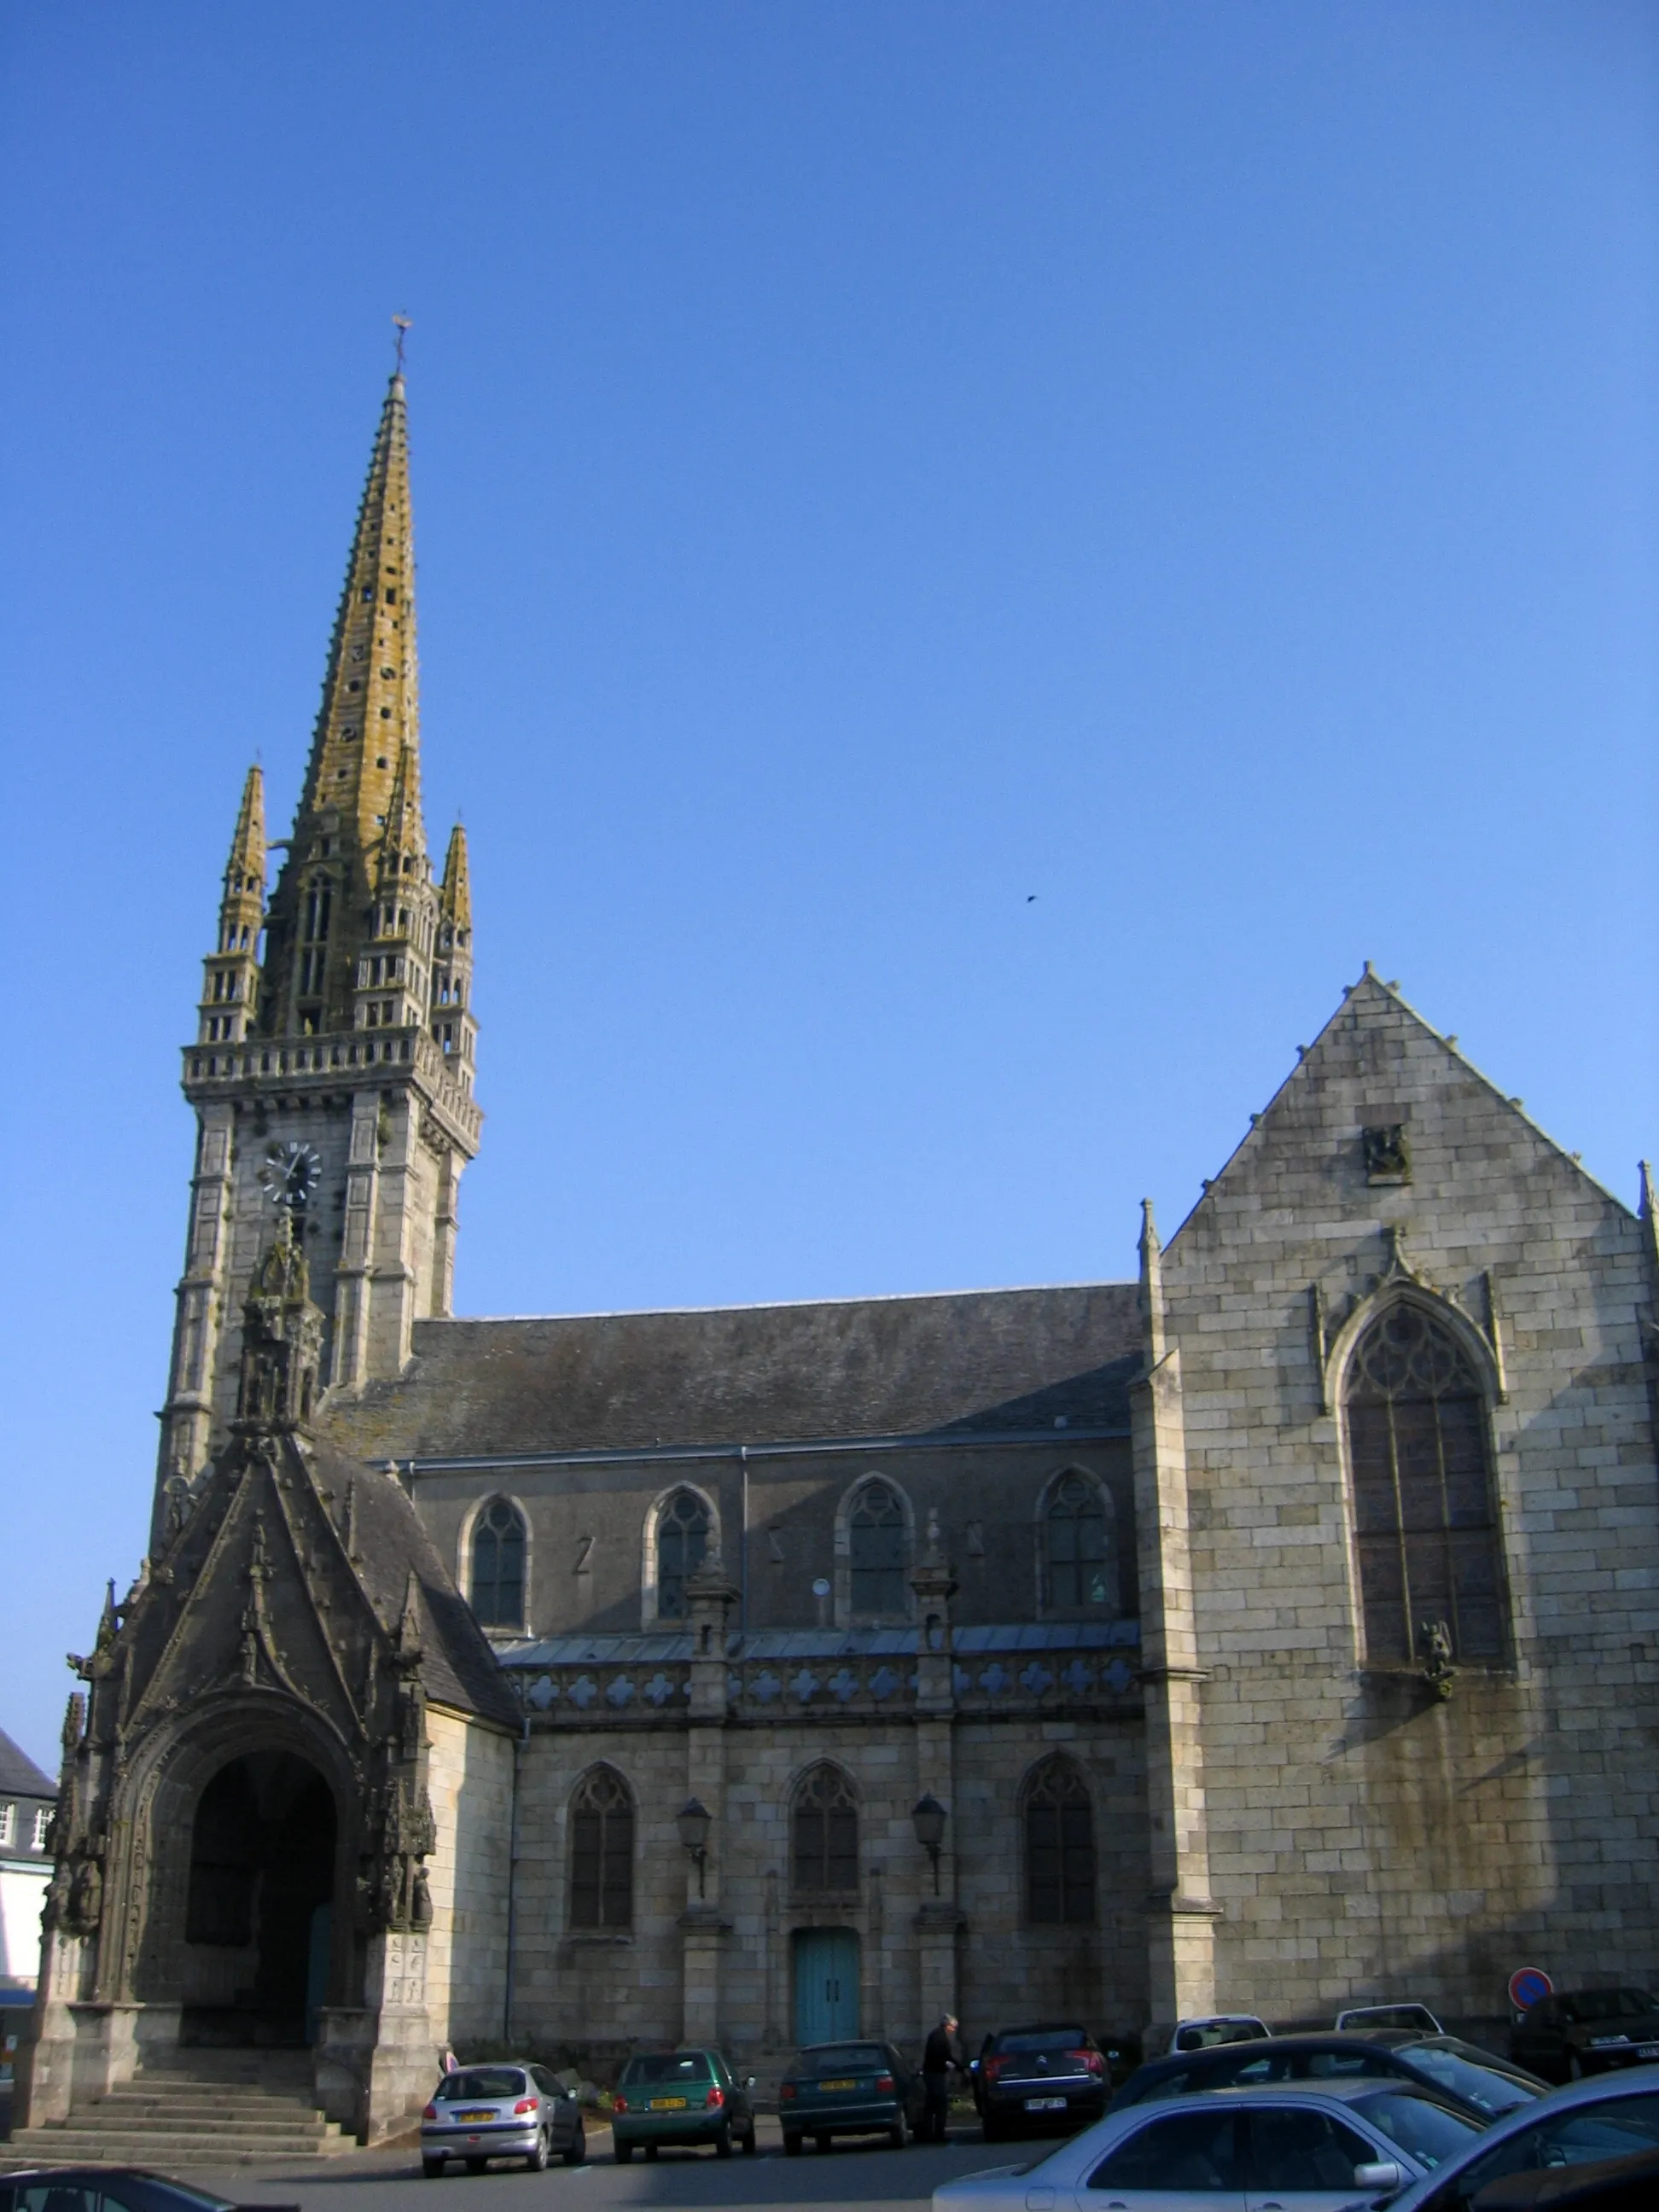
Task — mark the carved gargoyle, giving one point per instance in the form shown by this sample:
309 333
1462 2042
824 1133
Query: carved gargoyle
1434 1648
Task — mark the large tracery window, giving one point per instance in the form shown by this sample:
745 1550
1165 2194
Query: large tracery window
876 1539
498 1565
1082 1572
602 1852
1060 1846
682 1547
1423 1506
824 1834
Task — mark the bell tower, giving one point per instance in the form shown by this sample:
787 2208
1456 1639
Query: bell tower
332 1073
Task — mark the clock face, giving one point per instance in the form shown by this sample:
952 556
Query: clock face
290 1174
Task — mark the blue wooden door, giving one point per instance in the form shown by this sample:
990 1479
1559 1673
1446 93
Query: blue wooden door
826 1984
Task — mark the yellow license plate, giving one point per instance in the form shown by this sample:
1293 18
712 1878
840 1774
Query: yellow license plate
487 2113
668 2104
838 2085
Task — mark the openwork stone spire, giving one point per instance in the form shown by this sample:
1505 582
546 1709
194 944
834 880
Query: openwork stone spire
230 974
364 769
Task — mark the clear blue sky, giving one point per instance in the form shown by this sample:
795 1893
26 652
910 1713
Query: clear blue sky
1195 463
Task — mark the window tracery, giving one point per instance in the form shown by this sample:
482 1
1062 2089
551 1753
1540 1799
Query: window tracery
602 1852
877 1545
1060 1846
824 1834
1425 1524
683 1525
1079 1552
498 1549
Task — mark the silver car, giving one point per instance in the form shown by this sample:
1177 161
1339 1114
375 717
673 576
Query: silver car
1609 2116
1284 2149
506 2110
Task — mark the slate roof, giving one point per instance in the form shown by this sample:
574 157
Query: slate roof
458 1667
974 1362
18 1775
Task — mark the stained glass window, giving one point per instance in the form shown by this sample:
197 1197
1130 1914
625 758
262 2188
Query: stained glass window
876 1533
1082 1573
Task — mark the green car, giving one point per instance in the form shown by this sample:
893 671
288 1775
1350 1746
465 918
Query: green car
681 2097
847 2089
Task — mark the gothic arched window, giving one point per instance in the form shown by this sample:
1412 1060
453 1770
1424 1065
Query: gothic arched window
823 1830
1422 1492
498 1565
1082 1570
682 1547
1060 1846
877 1547
602 1852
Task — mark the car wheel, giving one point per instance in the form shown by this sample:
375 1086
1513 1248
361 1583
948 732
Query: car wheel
750 2145
791 2146
896 2135
651 2152
432 2168
537 2160
623 2154
477 2165
575 2151
820 2143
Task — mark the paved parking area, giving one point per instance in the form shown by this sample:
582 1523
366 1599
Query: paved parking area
854 2172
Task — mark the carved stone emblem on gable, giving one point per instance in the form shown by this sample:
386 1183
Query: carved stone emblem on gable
1386 1152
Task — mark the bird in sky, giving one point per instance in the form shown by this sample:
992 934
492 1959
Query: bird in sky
1030 898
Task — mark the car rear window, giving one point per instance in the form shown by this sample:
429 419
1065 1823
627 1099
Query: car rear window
667 2066
1485 2088
1039 2039
478 2082
1425 2130
840 2059
1606 2004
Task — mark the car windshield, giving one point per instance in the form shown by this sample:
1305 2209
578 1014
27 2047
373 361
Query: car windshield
839 2058
1606 2004
1485 2088
667 2066
1426 2131
1039 2039
1407 2016
478 2082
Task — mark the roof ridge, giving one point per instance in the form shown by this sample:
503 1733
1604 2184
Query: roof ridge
784 1305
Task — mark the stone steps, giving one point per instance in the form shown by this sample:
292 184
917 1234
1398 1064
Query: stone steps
234 2108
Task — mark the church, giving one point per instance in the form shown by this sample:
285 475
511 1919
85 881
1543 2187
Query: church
1276 1631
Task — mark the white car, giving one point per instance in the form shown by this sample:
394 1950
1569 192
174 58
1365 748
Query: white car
1415 2018
1284 2149
1609 2116
1203 2035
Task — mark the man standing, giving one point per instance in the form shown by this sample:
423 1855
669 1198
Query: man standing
937 2060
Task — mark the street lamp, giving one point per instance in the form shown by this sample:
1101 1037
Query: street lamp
694 1821
927 1817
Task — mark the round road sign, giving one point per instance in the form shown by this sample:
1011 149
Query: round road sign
1527 1986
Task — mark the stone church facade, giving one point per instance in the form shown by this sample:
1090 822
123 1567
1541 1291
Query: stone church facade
1277 1630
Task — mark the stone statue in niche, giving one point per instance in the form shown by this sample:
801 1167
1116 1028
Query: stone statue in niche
1387 1154
1434 1646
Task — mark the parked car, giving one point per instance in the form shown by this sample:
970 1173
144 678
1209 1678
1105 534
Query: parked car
685 2097
1201 2034
122 2188
1415 2017
1587 2032
508 2110
1613 2117
1607 2184
1040 2076
1301 2149
1467 2078
848 2089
